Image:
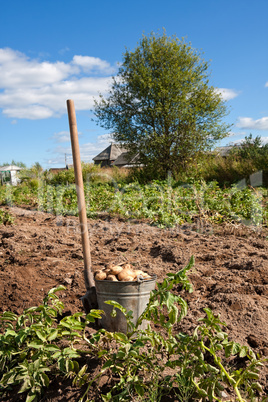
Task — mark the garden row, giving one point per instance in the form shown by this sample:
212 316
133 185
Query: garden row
161 203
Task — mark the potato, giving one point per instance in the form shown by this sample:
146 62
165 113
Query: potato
128 278
100 275
146 276
109 266
116 269
126 273
138 272
112 278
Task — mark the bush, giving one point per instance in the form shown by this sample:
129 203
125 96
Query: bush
91 174
243 161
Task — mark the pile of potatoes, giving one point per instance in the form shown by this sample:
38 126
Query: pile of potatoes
124 273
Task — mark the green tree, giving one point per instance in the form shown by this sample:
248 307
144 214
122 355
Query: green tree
250 148
161 106
37 168
252 152
16 163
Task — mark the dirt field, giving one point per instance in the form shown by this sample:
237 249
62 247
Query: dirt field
40 251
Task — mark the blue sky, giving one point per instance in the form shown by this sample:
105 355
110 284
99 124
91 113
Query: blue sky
55 50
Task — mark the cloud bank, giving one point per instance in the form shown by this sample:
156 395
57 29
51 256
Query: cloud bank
33 89
249 123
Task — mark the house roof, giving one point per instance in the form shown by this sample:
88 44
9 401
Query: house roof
111 153
9 168
126 160
122 159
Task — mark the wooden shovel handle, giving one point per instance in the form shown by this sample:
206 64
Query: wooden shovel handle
89 279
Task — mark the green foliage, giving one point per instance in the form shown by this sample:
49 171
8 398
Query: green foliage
6 218
32 175
243 162
60 178
141 365
164 204
161 105
140 360
16 163
251 149
91 174
28 349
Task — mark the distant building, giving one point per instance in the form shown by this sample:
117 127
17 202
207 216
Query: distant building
127 161
57 170
9 175
116 155
109 155
224 151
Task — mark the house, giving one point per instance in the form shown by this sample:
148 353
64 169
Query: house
127 161
116 155
9 174
109 155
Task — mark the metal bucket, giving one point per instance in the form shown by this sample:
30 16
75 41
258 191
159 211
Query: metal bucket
133 296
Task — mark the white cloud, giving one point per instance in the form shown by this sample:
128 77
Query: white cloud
38 90
63 136
266 84
227 94
18 71
33 112
87 151
105 139
93 63
249 123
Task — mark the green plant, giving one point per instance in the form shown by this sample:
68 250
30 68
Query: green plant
141 365
199 364
6 218
212 340
28 349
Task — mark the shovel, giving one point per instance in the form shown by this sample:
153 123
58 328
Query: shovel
89 300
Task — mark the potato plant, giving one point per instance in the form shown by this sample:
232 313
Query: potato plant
141 365
6 218
161 203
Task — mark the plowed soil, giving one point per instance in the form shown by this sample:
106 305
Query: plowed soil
40 251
